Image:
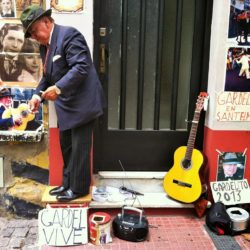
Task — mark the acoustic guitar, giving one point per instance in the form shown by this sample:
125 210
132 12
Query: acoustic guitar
23 111
182 181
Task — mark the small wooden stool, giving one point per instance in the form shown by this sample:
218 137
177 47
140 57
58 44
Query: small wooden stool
49 199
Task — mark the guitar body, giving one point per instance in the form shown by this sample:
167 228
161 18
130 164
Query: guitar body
23 111
183 183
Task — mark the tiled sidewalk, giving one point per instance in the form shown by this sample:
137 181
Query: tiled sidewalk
168 231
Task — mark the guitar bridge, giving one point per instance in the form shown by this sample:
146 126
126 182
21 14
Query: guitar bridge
181 183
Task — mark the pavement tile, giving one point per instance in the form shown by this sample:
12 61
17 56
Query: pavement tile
4 242
7 231
16 243
33 230
21 232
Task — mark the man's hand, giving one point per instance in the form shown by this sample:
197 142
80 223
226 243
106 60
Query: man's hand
50 93
34 104
17 120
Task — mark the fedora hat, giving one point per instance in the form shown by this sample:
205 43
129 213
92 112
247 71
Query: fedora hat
231 158
32 14
4 92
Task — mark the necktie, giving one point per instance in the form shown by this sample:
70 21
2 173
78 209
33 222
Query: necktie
46 58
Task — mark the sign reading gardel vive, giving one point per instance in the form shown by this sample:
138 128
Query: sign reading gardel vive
63 226
233 106
231 192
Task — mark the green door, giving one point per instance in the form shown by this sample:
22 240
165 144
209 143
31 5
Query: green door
152 59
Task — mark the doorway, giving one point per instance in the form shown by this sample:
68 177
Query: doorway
152 59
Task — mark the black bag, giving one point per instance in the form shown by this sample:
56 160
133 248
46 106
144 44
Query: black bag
218 220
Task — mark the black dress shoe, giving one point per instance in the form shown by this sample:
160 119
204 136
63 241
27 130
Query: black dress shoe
68 195
57 190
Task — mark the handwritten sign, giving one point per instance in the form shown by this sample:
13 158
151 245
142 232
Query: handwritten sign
63 226
233 106
231 192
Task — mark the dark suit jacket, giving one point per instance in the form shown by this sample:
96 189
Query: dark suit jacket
69 66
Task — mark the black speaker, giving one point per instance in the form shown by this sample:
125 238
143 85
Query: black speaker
130 226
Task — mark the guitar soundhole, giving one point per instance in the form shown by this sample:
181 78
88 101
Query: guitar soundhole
186 163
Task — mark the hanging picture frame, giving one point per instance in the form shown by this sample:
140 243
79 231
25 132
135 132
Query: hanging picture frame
20 64
66 6
7 9
23 4
17 122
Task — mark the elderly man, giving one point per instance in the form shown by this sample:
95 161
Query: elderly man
69 79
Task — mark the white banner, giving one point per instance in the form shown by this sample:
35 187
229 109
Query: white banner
231 192
63 226
233 106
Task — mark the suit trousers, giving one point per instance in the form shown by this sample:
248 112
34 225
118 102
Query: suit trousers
76 145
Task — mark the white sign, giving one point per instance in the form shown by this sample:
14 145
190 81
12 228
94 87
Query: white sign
233 106
63 226
231 192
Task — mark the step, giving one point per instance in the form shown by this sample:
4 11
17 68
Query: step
150 184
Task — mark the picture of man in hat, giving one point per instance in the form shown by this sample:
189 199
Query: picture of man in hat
5 104
231 167
70 80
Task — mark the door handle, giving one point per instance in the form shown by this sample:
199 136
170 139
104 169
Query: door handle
102 65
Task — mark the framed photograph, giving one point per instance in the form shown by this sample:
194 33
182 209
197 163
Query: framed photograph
73 6
7 9
231 166
237 70
239 23
17 122
23 4
20 60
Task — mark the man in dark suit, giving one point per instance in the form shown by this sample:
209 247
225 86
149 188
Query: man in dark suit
71 81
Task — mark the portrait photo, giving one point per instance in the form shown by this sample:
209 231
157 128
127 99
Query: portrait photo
16 119
73 6
19 57
7 8
231 166
237 69
239 24
23 4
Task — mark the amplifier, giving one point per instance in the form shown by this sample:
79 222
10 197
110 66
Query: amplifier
130 226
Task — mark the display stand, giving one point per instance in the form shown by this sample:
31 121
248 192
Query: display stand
49 199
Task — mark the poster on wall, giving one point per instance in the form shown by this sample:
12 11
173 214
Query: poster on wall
237 70
233 107
239 24
231 166
17 122
7 9
66 6
19 57
23 4
238 52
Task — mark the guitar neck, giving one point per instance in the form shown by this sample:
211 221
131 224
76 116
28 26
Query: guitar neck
192 135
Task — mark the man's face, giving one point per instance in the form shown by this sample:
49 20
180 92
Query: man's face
229 169
6 5
13 41
6 101
40 30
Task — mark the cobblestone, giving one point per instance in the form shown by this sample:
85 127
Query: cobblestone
18 234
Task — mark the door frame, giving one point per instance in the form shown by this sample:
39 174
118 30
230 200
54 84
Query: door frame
198 78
